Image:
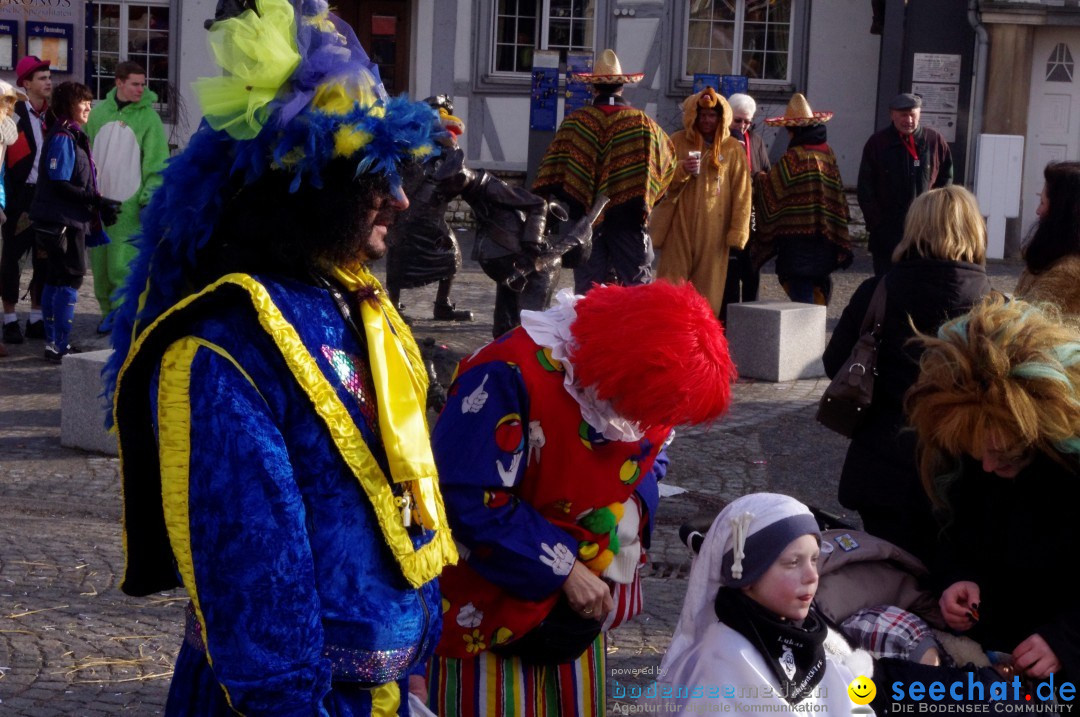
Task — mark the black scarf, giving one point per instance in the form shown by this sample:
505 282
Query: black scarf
796 655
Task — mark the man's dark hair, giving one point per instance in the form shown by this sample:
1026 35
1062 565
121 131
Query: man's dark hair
127 68
67 96
265 228
1058 233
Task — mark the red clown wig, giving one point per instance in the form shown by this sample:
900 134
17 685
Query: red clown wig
656 352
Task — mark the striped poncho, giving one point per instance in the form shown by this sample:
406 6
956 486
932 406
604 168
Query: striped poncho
803 195
623 155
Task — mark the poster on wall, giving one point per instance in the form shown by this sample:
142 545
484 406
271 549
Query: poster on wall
937 97
703 80
52 41
9 40
578 93
945 123
935 67
544 98
730 84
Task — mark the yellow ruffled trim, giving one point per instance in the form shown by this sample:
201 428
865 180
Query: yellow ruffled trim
174 452
385 700
418 566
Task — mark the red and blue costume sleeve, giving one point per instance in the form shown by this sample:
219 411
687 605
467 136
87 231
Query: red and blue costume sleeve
482 454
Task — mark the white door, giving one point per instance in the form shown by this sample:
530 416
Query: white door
1053 110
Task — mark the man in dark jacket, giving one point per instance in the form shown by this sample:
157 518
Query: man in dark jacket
20 177
899 163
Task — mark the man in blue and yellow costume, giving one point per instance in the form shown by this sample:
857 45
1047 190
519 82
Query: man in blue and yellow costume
269 399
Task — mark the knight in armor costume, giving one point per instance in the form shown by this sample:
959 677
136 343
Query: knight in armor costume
268 397
512 242
423 247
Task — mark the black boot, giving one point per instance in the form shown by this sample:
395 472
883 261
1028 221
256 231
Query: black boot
445 311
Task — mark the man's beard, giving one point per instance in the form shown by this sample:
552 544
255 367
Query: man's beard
368 245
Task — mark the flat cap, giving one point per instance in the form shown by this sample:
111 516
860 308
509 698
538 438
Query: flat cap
905 101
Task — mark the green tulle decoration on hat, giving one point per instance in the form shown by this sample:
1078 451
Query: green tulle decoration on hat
258 53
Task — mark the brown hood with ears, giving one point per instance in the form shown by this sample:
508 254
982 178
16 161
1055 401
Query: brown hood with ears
708 97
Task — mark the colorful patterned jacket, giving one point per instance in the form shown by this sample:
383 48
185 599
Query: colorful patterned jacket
530 488
614 150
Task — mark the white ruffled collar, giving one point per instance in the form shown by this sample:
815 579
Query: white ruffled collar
551 329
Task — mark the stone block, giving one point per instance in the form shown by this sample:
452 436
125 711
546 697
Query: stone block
82 411
777 340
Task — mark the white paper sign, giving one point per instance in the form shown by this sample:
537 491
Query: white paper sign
944 123
938 97
935 67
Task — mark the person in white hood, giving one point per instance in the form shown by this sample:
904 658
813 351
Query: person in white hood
749 634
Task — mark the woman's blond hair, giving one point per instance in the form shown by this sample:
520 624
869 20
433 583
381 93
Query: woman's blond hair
1008 369
944 224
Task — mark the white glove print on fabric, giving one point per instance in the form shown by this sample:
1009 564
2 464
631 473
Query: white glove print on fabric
559 559
475 400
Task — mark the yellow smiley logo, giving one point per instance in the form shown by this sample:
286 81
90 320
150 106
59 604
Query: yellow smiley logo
862 690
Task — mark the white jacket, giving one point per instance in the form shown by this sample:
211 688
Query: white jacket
723 672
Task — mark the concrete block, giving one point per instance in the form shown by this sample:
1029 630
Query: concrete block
777 340
82 412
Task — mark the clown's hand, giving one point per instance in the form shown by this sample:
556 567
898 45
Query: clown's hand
559 558
588 595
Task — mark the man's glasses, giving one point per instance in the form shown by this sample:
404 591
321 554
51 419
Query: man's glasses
737 120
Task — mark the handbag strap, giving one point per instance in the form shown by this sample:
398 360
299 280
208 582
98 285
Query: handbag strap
875 312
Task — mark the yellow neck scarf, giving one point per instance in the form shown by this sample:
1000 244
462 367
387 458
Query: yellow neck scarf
401 382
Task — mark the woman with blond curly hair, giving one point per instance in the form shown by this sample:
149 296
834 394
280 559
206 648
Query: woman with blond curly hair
996 412
937 273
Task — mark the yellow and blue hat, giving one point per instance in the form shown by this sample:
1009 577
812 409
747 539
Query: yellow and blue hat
297 92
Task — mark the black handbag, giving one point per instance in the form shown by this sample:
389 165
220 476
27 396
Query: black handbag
51 238
847 398
563 636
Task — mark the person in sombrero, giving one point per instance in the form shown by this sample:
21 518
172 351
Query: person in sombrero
610 149
802 212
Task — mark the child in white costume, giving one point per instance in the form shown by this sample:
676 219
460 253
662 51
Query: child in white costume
769 650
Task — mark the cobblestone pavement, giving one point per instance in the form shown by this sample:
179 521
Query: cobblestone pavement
72 644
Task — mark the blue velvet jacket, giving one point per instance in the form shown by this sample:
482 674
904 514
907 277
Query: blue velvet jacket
298 573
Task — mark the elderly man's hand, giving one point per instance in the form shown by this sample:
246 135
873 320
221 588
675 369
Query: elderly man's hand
588 595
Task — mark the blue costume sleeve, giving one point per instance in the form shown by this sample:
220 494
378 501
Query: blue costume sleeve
481 448
61 158
649 492
238 528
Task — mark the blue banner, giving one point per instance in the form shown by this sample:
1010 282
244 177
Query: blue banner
578 94
544 98
703 80
730 84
